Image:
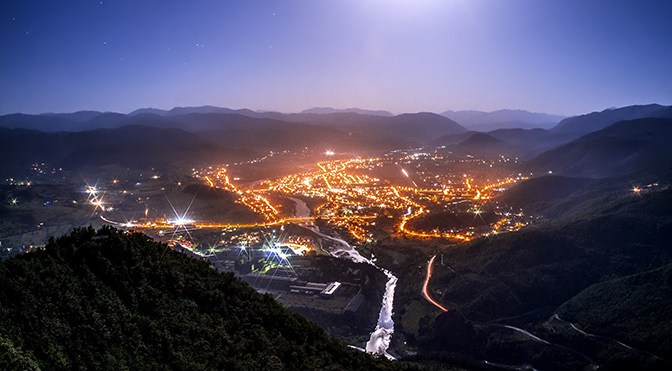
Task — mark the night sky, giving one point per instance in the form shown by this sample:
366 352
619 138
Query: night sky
563 57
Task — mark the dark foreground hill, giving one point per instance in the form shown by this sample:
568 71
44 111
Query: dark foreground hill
107 300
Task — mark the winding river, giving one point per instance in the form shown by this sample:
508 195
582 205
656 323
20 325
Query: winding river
380 338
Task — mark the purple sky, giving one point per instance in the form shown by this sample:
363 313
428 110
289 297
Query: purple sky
564 57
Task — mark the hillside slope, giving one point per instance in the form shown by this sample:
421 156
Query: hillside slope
126 146
484 145
627 308
594 121
513 298
550 263
620 149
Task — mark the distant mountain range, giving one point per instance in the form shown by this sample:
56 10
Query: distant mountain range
481 144
503 119
188 110
528 143
194 135
410 127
327 110
469 120
594 121
210 129
128 146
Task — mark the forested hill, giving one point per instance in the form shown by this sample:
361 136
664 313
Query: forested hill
103 300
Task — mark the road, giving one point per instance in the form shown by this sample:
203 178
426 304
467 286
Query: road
425 293
605 338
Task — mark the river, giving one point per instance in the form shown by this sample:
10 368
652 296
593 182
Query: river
379 341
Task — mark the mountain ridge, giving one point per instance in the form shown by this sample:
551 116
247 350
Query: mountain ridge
594 121
622 148
504 118
327 110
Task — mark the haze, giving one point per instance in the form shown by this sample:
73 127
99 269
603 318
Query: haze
564 57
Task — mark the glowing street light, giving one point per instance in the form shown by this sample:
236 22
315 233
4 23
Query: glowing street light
91 190
181 221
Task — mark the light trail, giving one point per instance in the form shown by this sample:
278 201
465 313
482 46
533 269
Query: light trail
403 171
425 293
109 221
527 333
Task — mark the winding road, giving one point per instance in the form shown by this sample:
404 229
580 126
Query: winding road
605 338
425 294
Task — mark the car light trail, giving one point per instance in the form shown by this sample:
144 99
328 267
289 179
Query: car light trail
425 293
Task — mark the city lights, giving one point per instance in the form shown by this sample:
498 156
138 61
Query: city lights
362 196
353 198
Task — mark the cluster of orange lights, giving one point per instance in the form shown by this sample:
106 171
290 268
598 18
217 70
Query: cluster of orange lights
255 201
353 200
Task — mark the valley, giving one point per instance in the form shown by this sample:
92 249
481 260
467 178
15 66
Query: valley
465 254
421 185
